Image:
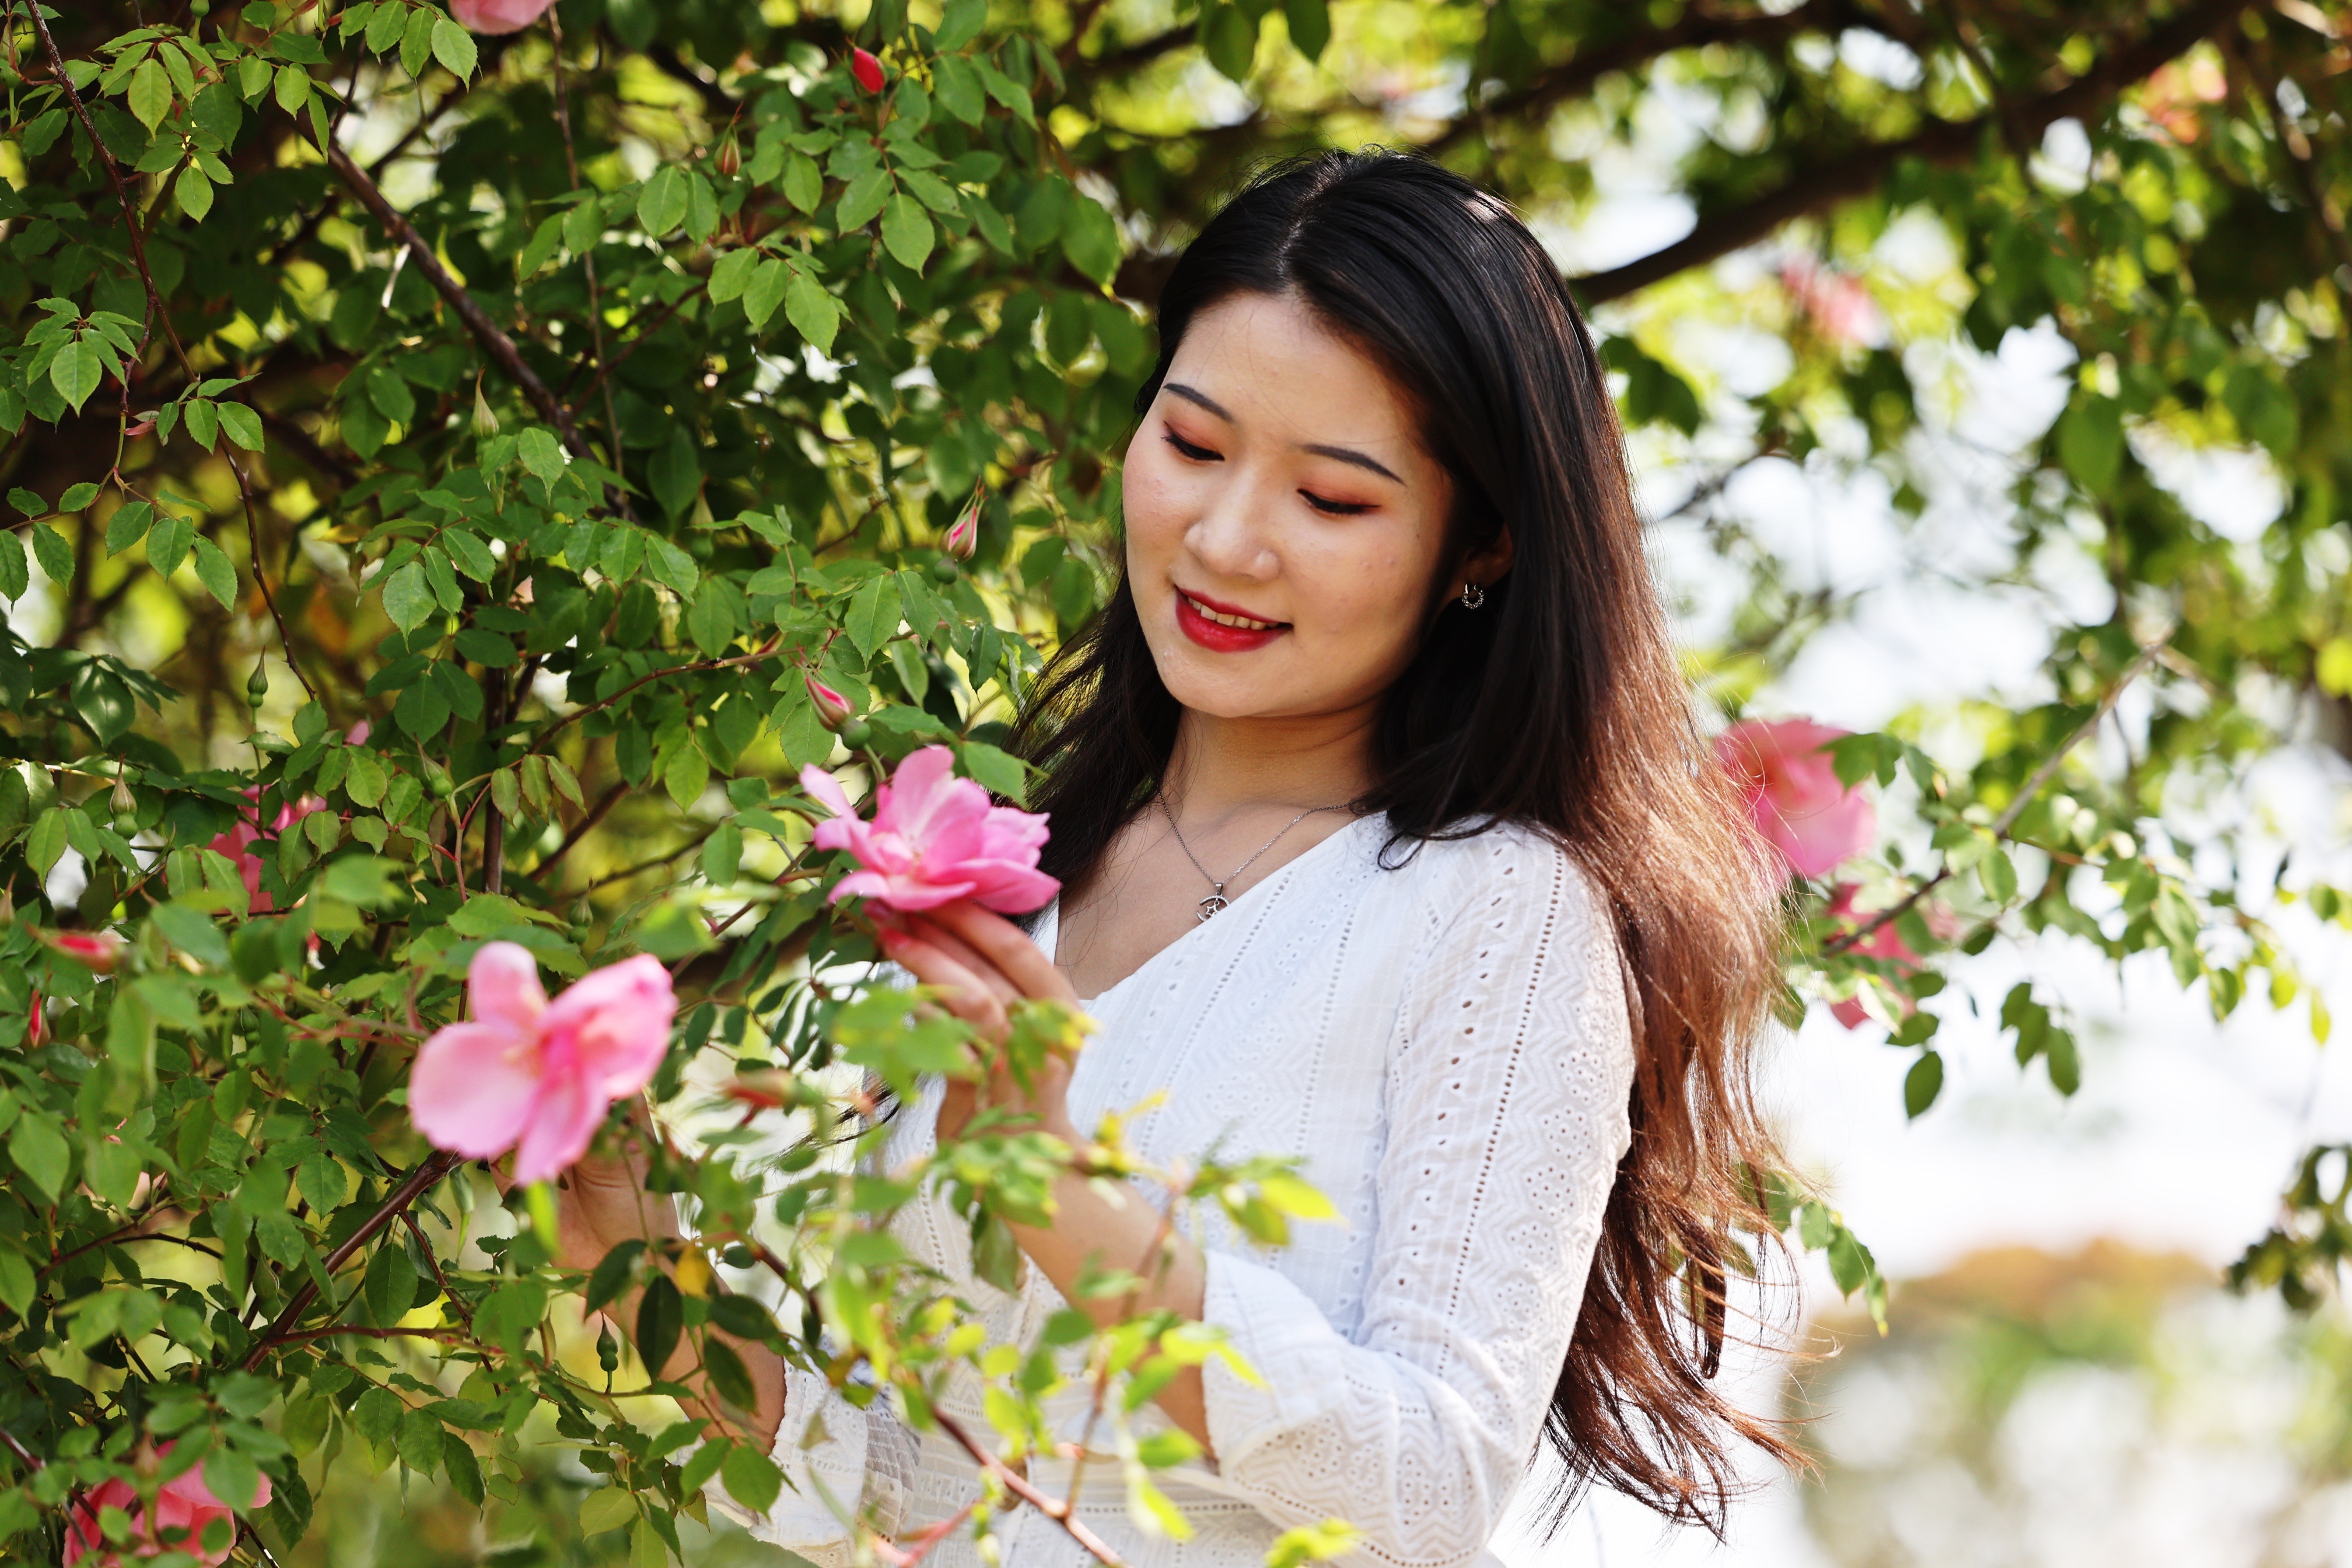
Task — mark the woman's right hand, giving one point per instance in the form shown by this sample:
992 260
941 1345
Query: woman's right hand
602 1202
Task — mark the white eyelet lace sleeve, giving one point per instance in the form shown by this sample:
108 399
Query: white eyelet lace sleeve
861 1462
1506 1093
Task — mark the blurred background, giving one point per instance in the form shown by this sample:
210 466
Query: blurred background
1946 332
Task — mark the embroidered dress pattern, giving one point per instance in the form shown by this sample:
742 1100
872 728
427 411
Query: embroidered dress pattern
1447 1045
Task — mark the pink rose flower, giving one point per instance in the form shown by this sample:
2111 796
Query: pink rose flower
497 16
1793 793
534 1075
98 950
934 838
238 843
183 1504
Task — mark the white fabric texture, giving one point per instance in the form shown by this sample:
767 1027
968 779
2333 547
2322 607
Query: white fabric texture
1446 1044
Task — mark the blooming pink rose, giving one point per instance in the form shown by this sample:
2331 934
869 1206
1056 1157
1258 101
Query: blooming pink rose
537 1075
1793 791
238 843
182 1504
98 950
497 16
934 838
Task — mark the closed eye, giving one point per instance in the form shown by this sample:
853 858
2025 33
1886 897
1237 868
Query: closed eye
1333 508
1186 448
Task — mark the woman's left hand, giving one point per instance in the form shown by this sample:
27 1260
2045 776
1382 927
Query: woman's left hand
981 964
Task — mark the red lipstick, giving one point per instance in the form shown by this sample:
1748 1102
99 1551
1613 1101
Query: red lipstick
1215 635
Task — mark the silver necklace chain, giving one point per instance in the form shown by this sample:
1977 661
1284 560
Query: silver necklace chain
1216 899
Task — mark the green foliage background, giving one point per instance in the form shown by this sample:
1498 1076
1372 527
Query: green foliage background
555 409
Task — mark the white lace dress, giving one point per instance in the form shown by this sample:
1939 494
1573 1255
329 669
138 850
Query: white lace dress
1447 1045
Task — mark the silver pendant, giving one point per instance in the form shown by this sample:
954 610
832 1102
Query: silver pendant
1210 905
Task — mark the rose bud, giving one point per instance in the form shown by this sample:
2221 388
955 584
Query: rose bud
964 537
97 950
730 158
122 803
866 70
832 709
486 423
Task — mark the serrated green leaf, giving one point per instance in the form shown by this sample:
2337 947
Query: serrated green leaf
56 556
661 204
814 312
454 47
861 203
77 371
764 291
193 193
241 425
214 571
540 453
906 232
151 94
730 272
408 598
202 418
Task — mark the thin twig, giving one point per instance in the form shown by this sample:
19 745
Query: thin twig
1055 1509
2149 653
581 829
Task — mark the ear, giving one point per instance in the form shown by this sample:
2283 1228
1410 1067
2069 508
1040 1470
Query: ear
1489 563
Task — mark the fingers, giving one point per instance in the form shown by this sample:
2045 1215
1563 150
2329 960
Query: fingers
961 992
1007 948
961 952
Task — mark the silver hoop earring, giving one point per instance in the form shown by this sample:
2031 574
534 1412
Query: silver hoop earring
1473 595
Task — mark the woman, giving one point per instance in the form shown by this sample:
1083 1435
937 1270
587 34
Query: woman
1386 840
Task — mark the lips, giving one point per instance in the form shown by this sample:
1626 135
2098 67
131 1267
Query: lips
1222 628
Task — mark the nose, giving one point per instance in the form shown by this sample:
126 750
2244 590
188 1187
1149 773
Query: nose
1230 536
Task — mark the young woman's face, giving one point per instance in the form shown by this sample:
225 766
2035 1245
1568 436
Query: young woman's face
1284 530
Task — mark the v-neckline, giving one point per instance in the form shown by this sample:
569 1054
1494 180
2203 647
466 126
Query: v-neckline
1051 916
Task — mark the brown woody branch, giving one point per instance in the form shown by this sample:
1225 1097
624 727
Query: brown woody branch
1695 29
500 347
1856 173
414 1187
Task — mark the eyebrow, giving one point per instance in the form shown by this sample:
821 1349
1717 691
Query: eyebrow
1337 454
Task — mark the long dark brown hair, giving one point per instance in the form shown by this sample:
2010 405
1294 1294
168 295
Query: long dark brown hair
1557 705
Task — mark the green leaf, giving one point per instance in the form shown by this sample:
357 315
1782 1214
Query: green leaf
45 845
416 40
686 777
764 291
814 313
26 502
540 453
41 1152
167 543
1090 239
1310 26
454 47
128 526
391 1284
151 94
874 613
730 273
751 1478
1229 38
77 371
193 193
16 570
77 497
407 598
2090 442
242 424
906 232
960 23
293 89
861 203
661 1318
1922 1084
804 182
661 204
607 1507
56 556
1998 875
202 419
214 571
